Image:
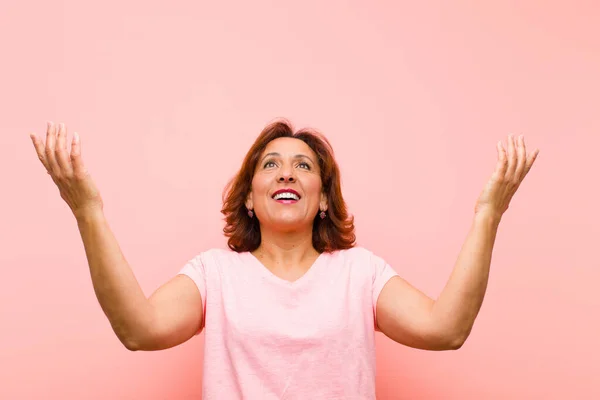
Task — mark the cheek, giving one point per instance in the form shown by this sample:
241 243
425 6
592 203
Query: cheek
314 188
258 186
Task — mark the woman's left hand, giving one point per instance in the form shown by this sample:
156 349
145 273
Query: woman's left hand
510 171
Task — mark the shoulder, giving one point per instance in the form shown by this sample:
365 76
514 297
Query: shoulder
219 256
360 258
353 254
215 257
356 257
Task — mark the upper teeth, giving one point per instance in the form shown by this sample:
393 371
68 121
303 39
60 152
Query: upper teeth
286 195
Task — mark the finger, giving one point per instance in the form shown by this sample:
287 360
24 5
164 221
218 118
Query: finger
39 149
502 162
512 158
61 151
78 167
530 160
49 152
521 158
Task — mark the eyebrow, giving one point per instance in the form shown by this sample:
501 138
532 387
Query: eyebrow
279 155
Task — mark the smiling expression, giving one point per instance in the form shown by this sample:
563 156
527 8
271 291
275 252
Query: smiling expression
286 188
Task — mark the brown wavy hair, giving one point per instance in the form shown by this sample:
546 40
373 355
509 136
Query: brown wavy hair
335 232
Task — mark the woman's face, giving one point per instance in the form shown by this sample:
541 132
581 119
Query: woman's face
287 164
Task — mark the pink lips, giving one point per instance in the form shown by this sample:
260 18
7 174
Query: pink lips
286 201
286 191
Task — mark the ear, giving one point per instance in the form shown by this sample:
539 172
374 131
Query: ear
249 202
323 204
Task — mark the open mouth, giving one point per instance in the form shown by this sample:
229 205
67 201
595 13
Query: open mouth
286 196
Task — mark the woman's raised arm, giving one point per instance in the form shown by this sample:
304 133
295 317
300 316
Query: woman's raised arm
172 314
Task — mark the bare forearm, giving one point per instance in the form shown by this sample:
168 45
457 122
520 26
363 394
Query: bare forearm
460 301
115 285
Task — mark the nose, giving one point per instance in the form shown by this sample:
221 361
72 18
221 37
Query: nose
286 174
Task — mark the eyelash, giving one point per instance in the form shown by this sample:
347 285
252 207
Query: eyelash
273 162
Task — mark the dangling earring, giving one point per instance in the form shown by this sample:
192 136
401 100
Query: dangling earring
322 215
250 213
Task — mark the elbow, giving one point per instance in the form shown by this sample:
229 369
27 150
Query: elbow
456 343
457 340
129 343
130 346
131 336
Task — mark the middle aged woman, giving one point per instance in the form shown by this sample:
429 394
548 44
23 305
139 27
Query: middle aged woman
290 310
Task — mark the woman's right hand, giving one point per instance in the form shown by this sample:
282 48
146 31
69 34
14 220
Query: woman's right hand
74 182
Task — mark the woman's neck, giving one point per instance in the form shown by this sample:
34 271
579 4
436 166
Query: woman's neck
290 248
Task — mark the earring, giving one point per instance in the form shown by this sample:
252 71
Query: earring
322 215
250 213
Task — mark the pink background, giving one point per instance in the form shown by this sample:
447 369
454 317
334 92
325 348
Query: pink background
167 100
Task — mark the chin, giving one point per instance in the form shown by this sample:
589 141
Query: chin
288 225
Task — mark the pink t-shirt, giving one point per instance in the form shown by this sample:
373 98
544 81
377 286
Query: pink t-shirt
268 338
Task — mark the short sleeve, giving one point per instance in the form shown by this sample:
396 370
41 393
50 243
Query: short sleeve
194 269
382 273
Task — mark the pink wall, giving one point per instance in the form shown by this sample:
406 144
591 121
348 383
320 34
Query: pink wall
167 99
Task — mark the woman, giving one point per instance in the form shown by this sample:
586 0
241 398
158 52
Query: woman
291 311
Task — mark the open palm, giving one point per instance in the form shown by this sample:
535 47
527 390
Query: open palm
510 171
68 172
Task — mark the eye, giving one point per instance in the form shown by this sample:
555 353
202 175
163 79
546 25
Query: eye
305 164
267 163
